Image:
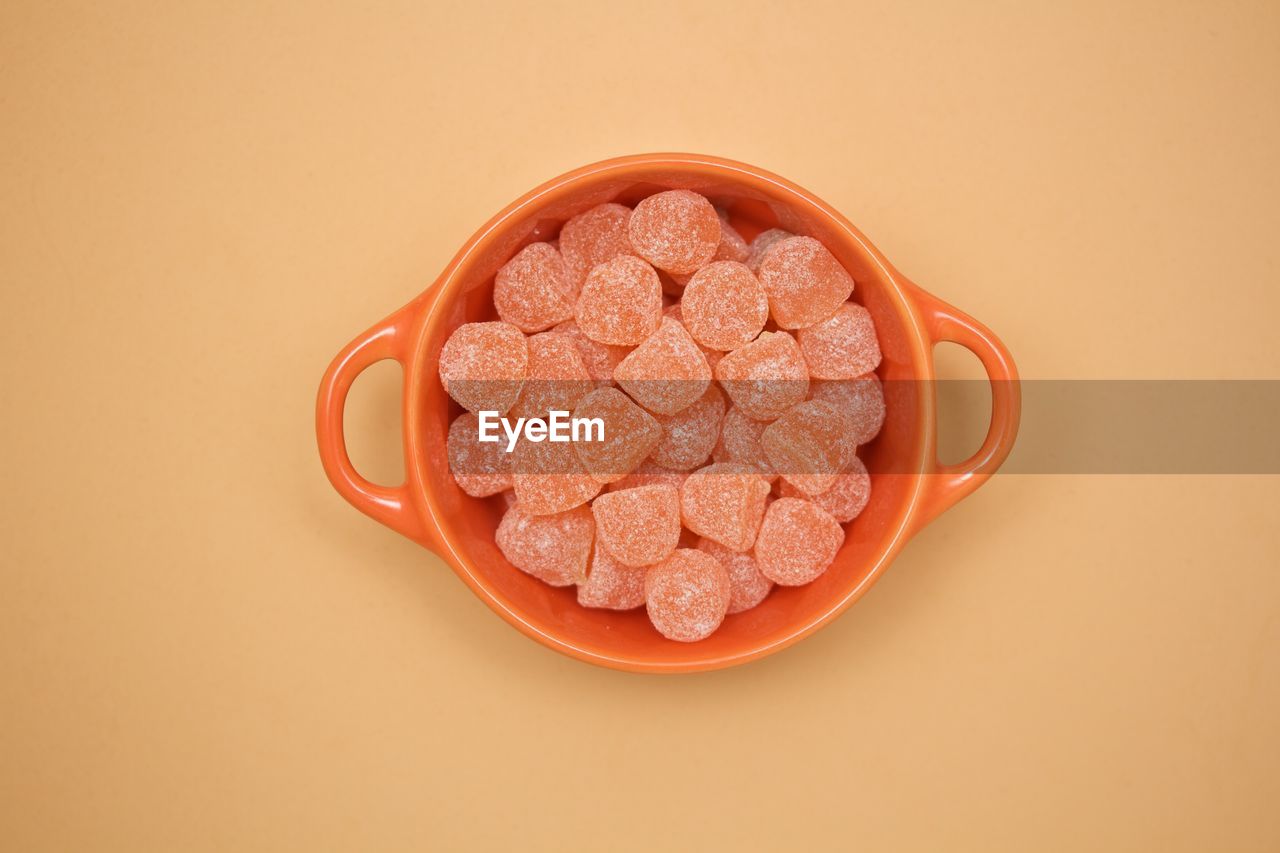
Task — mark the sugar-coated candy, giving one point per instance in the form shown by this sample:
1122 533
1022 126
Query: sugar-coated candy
483 366
740 442
667 372
610 585
860 401
599 358
724 306
725 501
549 477
842 346
593 237
533 290
480 468
847 496
747 587
688 437
687 595
804 281
677 231
798 541
630 434
808 446
640 526
762 243
557 377
620 303
552 548
765 377
732 247
648 474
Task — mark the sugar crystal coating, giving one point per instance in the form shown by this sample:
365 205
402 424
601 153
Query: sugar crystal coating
740 442
677 230
687 595
846 498
480 468
620 303
667 372
630 434
649 474
549 477
761 244
593 237
483 366
732 247
808 445
599 358
842 346
860 401
725 501
533 290
724 306
610 585
552 548
798 541
804 282
640 526
688 437
747 587
765 377
557 377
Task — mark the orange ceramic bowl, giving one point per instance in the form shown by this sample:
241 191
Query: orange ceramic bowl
911 489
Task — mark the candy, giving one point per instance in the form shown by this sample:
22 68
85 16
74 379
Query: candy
762 243
804 282
765 377
667 372
688 437
740 442
687 595
552 548
732 247
649 474
557 377
747 587
847 496
533 290
620 303
842 346
677 231
798 541
724 306
593 237
860 401
610 585
725 502
640 526
483 366
549 477
599 358
808 445
480 468
630 434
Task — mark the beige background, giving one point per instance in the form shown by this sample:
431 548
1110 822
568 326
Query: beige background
202 647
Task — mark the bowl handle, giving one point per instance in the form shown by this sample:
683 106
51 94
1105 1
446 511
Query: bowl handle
948 484
392 505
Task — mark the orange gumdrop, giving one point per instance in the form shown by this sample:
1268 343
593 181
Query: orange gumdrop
842 346
552 548
630 434
798 541
549 477
620 303
847 496
640 526
732 247
610 585
765 377
740 442
649 474
804 281
761 244
481 468
667 372
725 502
747 587
557 377
808 445
687 595
533 290
599 358
677 231
591 238
724 307
860 401
688 437
483 366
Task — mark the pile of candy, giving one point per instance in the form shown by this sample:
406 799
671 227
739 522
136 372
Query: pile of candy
734 382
